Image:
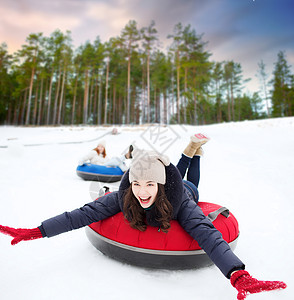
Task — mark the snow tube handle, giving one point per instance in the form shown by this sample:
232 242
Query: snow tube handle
214 214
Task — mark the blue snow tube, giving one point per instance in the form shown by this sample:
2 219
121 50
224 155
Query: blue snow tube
100 173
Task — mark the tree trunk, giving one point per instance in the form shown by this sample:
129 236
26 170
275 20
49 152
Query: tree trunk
49 99
99 101
9 113
40 103
30 95
148 87
35 105
21 121
172 112
17 112
86 97
61 96
164 108
178 86
106 93
129 90
56 97
185 98
119 110
229 102
90 110
195 109
265 95
232 102
63 110
95 99
143 98
74 101
113 104
218 103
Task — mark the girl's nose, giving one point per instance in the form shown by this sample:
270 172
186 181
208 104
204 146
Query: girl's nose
143 192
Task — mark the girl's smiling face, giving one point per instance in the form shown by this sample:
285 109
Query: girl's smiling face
145 191
100 149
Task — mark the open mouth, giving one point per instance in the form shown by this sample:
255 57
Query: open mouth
145 200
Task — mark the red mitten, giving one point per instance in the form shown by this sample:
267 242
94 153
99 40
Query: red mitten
245 284
20 234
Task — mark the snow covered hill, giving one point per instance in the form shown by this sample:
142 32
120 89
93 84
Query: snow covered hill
247 167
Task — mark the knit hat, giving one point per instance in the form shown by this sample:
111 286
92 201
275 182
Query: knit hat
102 143
148 165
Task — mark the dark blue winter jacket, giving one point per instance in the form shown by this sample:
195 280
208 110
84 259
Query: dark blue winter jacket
185 211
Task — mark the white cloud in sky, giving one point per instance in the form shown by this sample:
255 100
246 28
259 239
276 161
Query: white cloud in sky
38 20
16 25
115 17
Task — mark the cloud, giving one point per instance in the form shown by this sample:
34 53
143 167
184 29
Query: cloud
39 14
42 21
115 17
166 13
18 21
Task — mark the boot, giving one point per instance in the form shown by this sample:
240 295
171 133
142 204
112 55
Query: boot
191 148
199 152
195 144
128 155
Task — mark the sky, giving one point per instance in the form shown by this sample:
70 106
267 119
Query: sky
246 31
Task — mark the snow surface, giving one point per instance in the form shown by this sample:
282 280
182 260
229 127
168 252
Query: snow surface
247 167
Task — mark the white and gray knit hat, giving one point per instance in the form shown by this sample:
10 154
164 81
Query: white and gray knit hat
148 165
102 143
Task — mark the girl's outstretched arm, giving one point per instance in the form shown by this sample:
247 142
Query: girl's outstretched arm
95 211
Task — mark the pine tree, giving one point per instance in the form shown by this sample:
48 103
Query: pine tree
281 97
217 78
149 38
5 84
263 77
130 36
29 57
176 49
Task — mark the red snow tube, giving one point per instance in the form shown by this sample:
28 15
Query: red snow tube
155 249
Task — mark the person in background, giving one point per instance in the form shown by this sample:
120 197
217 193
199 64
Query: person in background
98 156
152 193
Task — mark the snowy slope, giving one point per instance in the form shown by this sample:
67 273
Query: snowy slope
248 167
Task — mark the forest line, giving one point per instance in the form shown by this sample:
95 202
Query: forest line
129 80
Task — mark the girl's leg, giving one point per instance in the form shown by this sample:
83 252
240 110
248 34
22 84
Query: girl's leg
194 147
184 164
187 155
193 174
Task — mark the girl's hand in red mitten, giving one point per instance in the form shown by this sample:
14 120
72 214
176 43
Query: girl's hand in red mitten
245 284
20 234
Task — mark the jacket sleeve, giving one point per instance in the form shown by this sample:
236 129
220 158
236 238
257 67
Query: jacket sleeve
193 220
95 211
88 157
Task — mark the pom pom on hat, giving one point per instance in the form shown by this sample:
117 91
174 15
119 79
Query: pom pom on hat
148 165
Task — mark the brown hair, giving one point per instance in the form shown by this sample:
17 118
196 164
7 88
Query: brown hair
103 152
135 214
